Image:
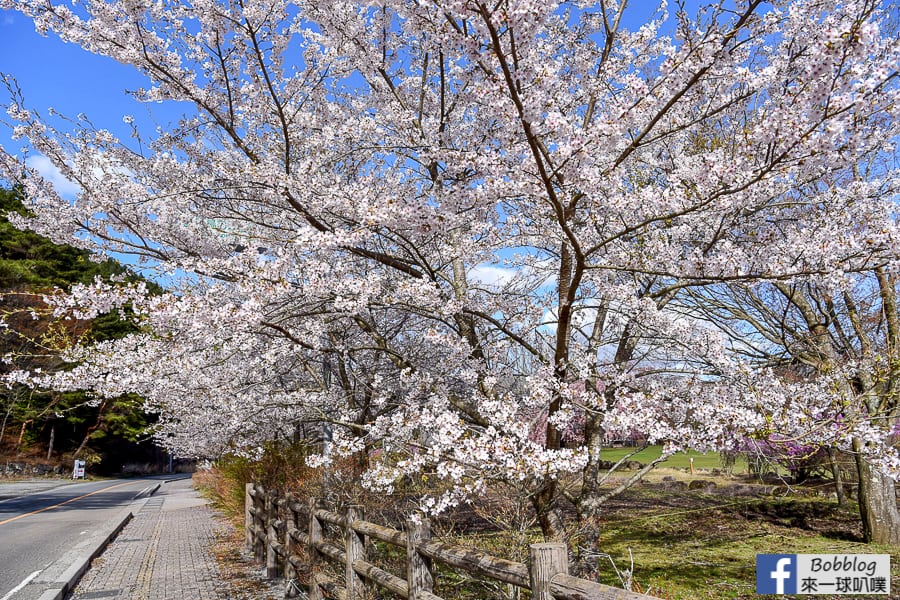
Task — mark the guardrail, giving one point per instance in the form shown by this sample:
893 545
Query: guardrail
273 534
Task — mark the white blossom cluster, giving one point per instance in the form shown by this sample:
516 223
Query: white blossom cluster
468 237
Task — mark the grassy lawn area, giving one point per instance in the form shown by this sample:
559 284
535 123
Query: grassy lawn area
709 550
702 460
693 544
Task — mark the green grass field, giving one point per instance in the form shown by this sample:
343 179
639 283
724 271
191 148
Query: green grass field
692 544
688 545
707 460
709 550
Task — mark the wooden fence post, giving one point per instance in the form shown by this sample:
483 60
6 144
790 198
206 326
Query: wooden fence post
547 560
290 573
271 535
248 516
419 577
355 549
315 536
258 543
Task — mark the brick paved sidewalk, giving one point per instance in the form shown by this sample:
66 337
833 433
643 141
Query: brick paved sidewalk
162 554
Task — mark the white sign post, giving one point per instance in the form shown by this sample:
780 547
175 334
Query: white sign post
79 469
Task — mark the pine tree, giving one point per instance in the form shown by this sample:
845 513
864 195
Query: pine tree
31 338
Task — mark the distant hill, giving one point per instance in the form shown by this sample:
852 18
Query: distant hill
52 426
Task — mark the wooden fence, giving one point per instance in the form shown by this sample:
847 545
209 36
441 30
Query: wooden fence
274 534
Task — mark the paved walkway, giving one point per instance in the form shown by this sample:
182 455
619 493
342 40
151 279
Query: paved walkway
162 554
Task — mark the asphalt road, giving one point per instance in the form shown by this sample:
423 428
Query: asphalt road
43 533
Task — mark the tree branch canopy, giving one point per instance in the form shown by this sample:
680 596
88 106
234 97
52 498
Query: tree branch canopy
485 233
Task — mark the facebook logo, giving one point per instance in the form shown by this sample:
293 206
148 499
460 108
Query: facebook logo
776 573
802 574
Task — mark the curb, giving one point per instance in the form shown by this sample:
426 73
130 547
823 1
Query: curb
74 572
147 491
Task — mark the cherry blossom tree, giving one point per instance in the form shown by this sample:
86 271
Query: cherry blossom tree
453 230
847 335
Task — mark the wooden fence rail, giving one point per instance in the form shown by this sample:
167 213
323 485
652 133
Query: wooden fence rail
273 534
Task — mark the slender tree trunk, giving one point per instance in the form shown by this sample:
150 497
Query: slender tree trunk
593 436
838 476
52 440
21 435
91 429
589 502
877 503
5 420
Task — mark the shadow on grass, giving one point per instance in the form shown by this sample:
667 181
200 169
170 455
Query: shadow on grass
705 545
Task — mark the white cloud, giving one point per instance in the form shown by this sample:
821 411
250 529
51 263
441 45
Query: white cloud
51 173
491 276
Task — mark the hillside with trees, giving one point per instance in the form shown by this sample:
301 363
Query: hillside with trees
52 425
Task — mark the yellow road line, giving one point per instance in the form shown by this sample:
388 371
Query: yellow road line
34 512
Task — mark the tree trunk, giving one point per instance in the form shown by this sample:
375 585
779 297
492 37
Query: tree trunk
91 429
5 419
838 476
589 504
52 439
590 484
877 504
548 516
21 436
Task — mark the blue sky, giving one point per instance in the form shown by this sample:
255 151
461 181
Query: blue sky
55 74
71 80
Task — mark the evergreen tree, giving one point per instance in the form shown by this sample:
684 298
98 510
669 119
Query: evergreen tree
31 338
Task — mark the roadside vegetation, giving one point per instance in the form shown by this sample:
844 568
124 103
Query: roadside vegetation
42 430
676 535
